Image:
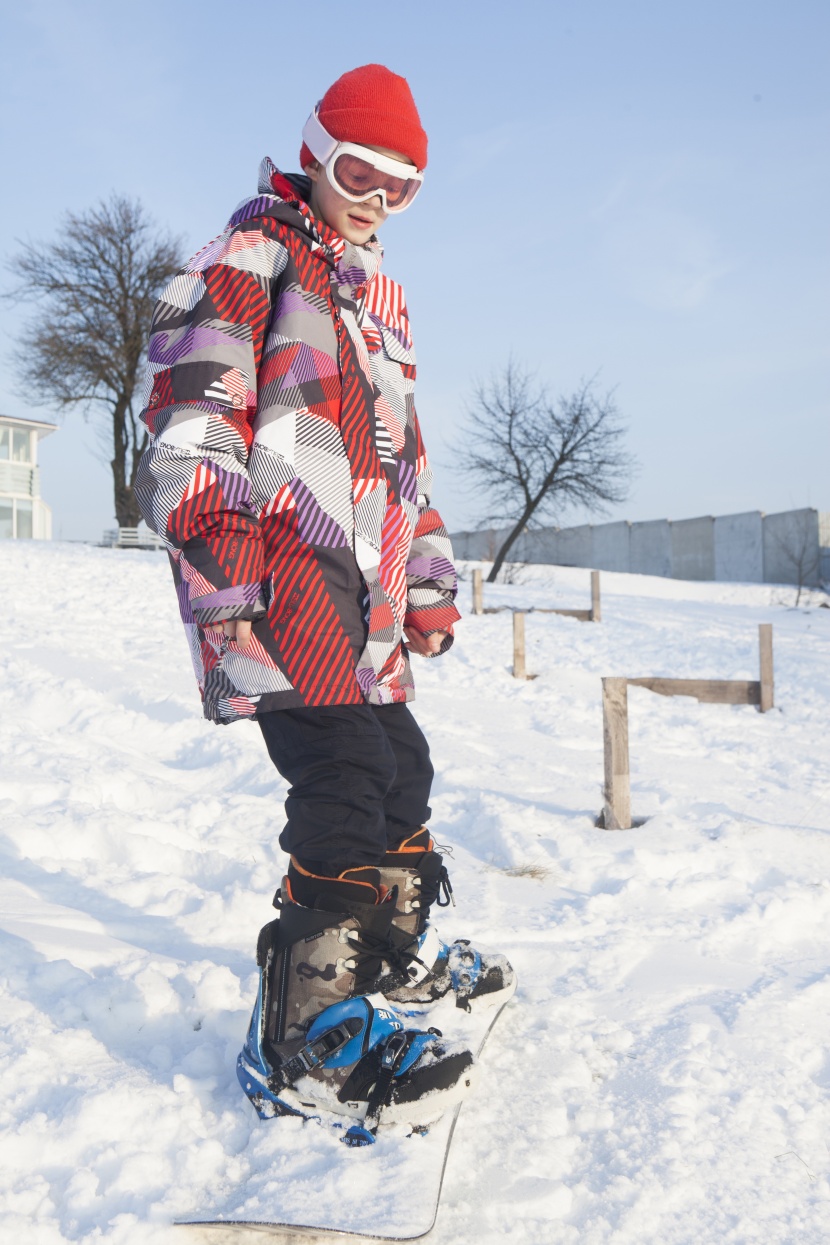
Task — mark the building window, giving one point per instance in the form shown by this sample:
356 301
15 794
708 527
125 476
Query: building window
16 518
24 519
15 445
21 452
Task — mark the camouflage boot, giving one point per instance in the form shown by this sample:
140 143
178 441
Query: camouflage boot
323 1042
417 878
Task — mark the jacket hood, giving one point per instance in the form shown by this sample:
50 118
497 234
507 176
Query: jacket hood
285 196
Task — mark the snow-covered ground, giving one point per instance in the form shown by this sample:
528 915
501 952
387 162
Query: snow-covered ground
663 1074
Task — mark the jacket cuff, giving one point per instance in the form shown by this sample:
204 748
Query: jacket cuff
440 616
224 573
446 645
244 601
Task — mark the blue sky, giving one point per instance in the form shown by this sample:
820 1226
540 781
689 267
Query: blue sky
638 189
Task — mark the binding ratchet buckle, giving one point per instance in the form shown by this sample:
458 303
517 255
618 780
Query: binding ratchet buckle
314 1053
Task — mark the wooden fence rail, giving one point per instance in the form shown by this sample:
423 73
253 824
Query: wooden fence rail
616 811
725 691
594 614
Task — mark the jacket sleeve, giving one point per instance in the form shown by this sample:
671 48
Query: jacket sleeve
205 349
431 578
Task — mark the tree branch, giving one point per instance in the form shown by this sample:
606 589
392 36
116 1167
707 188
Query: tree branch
526 454
94 288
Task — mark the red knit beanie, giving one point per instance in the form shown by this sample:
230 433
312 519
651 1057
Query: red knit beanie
374 106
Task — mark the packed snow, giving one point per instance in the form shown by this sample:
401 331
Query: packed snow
662 1075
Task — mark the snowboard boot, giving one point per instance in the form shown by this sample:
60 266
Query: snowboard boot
416 878
323 1042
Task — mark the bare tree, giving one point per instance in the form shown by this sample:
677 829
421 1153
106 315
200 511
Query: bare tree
95 287
528 454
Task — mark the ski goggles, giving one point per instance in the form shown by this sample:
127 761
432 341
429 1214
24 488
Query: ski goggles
358 173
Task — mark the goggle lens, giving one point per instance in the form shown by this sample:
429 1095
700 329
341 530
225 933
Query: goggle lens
360 179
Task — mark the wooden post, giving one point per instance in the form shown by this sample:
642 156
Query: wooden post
478 592
765 652
519 671
596 611
616 813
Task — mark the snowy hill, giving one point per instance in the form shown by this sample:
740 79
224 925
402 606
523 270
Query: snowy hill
662 1076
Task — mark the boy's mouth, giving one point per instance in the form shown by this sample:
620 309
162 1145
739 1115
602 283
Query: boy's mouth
362 222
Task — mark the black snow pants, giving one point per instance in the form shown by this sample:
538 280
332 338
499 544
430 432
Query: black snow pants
359 775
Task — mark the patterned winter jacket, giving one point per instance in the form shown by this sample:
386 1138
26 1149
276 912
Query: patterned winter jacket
286 471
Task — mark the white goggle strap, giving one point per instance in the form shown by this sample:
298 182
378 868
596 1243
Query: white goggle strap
322 146
318 140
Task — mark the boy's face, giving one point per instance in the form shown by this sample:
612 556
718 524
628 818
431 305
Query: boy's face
356 222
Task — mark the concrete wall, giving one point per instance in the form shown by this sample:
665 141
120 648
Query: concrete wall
573 546
824 546
693 548
650 548
612 547
567 546
740 548
824 529
480 546
791 548
539 546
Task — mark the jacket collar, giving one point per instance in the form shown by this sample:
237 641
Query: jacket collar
285 196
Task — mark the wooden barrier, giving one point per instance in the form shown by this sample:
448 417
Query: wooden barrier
766 699
478 592
616 811
596 608
519 669
725 691
594 614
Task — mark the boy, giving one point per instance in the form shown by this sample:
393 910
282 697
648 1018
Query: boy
287 474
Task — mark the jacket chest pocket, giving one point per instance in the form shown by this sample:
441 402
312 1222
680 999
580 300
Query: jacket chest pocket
394 349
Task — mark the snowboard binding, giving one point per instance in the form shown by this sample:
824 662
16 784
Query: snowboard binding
416 879
323 1045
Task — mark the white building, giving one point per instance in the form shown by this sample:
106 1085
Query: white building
24 514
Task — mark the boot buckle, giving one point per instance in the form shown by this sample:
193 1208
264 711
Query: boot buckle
314 1053
393 1050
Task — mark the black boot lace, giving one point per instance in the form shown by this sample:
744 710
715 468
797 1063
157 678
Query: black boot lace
375 949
